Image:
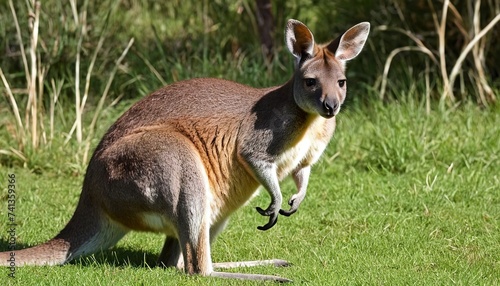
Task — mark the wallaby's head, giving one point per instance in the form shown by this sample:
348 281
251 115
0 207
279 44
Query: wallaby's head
319 81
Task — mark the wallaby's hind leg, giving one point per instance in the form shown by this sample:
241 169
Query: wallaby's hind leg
181 179
182 195
171 257
196 251
171 254
193 222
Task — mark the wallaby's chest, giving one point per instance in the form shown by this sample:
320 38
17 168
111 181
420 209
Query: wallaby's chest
308 147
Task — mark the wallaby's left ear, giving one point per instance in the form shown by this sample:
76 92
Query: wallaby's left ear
299 39
349 45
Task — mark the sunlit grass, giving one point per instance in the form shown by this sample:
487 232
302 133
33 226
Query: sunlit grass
405 193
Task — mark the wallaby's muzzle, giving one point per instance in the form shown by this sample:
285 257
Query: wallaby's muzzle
330 108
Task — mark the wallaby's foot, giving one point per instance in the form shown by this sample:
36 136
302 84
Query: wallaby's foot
273 262
244 276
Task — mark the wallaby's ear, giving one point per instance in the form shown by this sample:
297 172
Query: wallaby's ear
349 45
299 39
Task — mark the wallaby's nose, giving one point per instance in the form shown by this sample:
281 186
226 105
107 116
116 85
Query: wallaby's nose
330 107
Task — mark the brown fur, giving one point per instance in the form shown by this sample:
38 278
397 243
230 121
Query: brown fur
183 159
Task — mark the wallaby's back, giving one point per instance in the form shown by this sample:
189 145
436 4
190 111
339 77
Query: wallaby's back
188 100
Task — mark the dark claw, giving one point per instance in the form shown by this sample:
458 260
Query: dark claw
271 223
288 212
273 218
263 212
291 211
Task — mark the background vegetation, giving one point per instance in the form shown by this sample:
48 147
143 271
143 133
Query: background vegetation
408 189
59 60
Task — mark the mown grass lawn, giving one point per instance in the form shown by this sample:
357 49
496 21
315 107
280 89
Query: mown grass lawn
399 198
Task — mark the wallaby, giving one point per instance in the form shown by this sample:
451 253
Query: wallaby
183 159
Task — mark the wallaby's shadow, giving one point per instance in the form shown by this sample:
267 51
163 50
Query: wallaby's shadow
116 256
4 245
119 257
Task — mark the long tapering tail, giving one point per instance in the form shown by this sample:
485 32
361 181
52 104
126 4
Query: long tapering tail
52 252
88 231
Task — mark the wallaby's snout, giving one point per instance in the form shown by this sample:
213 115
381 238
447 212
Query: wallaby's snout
334 98
331 107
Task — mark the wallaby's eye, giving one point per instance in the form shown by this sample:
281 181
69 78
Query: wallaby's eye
310 81
342 82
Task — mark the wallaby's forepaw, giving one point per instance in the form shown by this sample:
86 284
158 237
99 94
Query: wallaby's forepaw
294 203
289 212
273 217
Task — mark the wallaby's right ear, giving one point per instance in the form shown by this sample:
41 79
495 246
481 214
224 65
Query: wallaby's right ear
299 39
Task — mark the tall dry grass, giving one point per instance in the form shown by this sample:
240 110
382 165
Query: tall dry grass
33 130
475 46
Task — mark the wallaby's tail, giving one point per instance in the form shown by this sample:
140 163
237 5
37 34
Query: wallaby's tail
52 252
88 231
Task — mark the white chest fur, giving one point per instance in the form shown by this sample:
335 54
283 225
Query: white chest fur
307 150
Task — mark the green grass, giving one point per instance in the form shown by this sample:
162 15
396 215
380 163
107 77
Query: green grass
399 198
